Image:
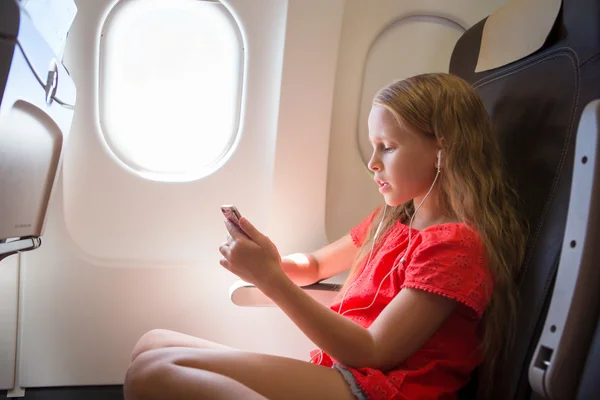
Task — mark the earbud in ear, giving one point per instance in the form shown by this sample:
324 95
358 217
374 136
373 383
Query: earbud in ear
439 159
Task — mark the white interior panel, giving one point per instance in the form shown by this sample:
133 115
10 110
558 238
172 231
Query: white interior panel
297 214
9 283
80 319
381 41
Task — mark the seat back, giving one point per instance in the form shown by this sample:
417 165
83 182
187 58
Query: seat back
535 104
37 98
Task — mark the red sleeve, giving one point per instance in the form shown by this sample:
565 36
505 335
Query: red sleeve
451 262
360 231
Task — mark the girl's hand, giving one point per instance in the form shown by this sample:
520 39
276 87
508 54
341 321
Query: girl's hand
251 255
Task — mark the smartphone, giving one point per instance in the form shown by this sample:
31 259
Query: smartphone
232 214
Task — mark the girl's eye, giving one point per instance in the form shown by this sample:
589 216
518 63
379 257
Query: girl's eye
384 148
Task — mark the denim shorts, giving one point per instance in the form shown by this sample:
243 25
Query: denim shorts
349 378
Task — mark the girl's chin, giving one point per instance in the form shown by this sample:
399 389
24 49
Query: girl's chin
392 201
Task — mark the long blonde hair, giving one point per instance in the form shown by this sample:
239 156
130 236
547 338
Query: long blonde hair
473 189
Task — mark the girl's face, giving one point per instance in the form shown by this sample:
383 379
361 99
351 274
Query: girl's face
404 162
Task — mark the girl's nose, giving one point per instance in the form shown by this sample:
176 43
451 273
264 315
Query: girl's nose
374 164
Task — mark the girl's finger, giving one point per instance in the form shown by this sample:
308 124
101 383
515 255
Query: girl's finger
224 250
253 233
224 263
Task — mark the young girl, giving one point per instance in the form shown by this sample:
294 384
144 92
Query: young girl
430 295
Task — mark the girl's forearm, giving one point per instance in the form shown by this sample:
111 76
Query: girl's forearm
302 269
346 341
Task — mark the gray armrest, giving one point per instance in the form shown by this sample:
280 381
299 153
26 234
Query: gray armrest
562 349
16 246
245 294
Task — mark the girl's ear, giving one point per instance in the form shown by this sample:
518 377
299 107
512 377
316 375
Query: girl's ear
439 163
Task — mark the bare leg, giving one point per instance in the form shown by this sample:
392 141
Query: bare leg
181 373
209 385
159 338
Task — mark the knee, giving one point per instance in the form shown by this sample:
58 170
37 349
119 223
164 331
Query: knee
140 379
149 341
145 376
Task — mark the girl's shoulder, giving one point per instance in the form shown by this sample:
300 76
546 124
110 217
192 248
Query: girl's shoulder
461 231
450 232
451 260
453 239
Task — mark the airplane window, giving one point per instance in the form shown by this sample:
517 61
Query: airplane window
170 86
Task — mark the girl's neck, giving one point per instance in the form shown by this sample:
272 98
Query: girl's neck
430 213
421 225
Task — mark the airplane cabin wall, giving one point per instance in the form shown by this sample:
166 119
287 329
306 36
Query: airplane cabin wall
123 254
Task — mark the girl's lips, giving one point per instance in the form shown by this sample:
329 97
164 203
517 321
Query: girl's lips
383 186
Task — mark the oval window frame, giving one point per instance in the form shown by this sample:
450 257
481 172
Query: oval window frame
120 155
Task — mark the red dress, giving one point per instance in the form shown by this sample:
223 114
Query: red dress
448 260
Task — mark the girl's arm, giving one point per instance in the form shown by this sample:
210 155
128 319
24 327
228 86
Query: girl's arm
411 318
306 269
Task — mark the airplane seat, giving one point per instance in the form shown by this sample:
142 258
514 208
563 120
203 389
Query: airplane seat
37 98
536 103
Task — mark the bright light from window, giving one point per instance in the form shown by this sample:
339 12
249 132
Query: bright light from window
170 85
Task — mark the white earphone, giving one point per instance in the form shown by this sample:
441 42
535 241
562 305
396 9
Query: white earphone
402 260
